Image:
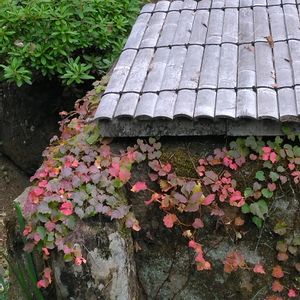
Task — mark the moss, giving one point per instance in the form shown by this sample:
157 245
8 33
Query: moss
183 162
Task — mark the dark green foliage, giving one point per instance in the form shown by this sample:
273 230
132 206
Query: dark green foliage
72 39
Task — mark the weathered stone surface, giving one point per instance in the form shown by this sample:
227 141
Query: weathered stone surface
110 270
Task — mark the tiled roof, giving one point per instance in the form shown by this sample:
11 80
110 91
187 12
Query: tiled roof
209 59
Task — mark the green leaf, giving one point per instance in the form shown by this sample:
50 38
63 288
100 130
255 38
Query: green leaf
267 164
260 175
117 183
274 176
282 153
93 136
289 133
289 150
280 228
296 241
297 279
245 208
41 231
50 237
267 193
257 221
70 222
251 142
259 209
278 140
68 257
280 169
248 192
296 150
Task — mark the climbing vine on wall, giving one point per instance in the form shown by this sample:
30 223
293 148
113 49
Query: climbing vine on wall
81 177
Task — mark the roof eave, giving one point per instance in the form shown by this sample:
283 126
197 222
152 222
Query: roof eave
128 127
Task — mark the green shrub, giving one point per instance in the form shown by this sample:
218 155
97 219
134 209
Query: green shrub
74 40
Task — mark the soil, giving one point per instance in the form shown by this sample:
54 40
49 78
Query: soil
12 183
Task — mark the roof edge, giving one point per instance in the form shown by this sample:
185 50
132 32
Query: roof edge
201 127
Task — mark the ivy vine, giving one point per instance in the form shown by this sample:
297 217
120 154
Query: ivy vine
82 177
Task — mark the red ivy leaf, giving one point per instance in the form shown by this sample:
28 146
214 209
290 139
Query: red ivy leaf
27 230
277 286
180 198
259 269
292 293
209 199
139 186
283 179
67 208
167 168
198 223
273 157
50 226
291 166
124 175
267 149
114 169
236 199
233 261
273 297
42 284
272 187
169 220
277 272
36 237
47 274
132 222
282 256
45 251
153 176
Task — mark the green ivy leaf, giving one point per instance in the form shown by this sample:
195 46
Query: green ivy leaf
274 176
251 142
296 241
245 208
289 150
93 136
41 231
257 221
49 245
70 222
50 237
289 133
260 175
259 209
68 257
297 279
282 153
267 164
296 150
117 183
278 140
248 192
280 169
267 193
280 228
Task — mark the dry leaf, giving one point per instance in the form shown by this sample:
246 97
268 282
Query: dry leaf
270 40
238 221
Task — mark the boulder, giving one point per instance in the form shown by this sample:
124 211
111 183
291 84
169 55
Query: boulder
156 262
29 118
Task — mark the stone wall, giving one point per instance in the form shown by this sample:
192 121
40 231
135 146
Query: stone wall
156 263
